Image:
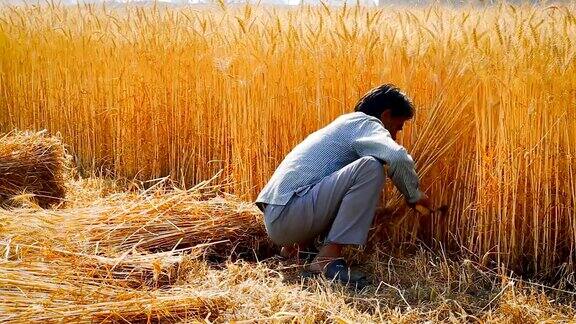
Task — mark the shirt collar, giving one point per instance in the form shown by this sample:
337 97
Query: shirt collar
371 117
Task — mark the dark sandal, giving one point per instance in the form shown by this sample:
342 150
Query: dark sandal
338 271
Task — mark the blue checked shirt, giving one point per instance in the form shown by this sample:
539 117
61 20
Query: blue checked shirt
348 138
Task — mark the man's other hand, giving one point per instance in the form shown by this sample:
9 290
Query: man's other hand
423 205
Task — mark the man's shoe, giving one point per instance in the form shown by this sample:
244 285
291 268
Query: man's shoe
338 271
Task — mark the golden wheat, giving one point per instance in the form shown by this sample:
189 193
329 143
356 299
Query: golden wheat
150 92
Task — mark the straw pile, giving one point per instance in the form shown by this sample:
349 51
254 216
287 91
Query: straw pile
120 257
32 164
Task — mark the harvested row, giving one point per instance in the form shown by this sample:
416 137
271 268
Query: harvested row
41 291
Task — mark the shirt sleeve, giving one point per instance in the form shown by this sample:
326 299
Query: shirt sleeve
372 139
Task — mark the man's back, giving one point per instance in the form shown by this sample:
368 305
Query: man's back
320 154
327 150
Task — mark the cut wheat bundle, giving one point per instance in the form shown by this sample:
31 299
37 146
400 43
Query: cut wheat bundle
164 220
32 164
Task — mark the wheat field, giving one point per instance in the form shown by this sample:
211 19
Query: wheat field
145 92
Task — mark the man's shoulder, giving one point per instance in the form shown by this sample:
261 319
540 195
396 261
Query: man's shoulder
349 124
351 116
357 118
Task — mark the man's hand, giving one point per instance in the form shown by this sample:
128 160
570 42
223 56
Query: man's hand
423 206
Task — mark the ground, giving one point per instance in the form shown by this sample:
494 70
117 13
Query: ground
172 255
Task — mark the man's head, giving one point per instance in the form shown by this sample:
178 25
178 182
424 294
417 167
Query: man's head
388 104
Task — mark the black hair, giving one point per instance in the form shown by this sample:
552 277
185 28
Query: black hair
384 97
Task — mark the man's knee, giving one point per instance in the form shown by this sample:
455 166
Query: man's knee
373 167
277 233
371 162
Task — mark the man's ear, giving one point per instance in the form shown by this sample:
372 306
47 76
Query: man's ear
385 115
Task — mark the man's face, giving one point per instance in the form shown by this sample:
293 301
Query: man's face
393 124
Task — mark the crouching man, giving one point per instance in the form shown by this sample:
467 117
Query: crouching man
328 186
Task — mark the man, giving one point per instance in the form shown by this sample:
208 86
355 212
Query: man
330 183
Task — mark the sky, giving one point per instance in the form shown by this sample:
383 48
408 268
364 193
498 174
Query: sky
286 2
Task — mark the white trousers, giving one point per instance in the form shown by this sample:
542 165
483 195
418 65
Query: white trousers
340 207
